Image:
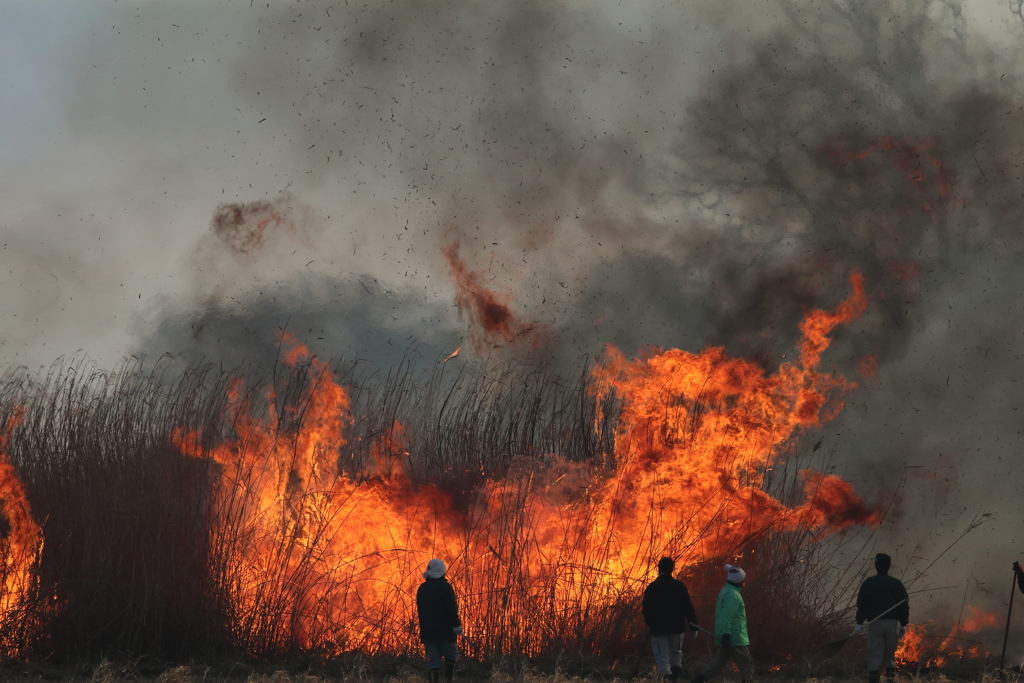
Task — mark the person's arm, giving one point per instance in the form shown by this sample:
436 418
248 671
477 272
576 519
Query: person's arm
647 606
452 608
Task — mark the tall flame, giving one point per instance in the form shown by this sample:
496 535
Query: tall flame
312 556
22 546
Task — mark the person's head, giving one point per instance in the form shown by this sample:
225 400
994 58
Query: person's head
435 569
735 575
666 565
882 563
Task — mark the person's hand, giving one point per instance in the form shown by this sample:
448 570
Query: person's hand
858 629
458 630
902 631
726 639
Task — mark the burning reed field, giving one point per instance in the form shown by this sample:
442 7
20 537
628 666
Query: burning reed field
203 515
547 290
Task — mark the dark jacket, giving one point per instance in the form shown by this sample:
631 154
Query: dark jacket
439 612
877 594
667 606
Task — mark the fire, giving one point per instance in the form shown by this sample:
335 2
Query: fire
979 620
924 645
492 319
22 546
313 556
708 423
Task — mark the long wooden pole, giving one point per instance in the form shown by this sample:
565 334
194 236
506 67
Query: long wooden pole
1006 633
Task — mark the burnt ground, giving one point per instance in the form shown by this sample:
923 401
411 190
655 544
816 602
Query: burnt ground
359 669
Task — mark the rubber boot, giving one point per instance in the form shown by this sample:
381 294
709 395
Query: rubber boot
872 677
676 671
433 676
449 671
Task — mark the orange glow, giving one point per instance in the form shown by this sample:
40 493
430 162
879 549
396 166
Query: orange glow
924 172
491 318
906 274
868 368
979 620
925 645
21 547
244 227
333 561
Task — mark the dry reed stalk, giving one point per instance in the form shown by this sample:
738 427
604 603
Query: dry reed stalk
144 545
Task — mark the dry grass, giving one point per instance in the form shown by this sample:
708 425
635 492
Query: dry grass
410 671
130 567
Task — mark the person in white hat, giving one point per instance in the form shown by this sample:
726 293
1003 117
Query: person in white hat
730 629
439 621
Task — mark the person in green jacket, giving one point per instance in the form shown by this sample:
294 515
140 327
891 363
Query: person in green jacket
730 629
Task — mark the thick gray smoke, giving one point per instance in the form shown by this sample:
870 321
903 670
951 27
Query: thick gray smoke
676 174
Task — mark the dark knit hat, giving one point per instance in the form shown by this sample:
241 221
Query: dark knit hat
666 565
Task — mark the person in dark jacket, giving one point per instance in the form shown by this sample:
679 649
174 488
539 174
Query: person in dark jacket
667 612
439 621
887 625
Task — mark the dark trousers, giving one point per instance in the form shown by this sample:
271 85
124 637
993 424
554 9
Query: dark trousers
446 650
737 653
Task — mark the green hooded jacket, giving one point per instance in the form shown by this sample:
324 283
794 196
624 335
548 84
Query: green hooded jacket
731 616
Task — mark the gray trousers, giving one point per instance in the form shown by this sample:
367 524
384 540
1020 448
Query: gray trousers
739 654
445 650
882 642
667 651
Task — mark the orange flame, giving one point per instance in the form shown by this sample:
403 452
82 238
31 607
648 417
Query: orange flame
22 548
925 645
313 556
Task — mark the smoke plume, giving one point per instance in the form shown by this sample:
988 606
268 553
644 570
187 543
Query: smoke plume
676 175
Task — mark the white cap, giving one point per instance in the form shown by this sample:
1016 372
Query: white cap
734 574
435 569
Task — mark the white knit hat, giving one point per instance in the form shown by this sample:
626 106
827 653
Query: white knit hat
734 574
435 569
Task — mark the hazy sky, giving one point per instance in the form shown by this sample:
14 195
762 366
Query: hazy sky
626 172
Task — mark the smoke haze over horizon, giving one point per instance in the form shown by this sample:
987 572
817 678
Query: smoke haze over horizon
191 179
